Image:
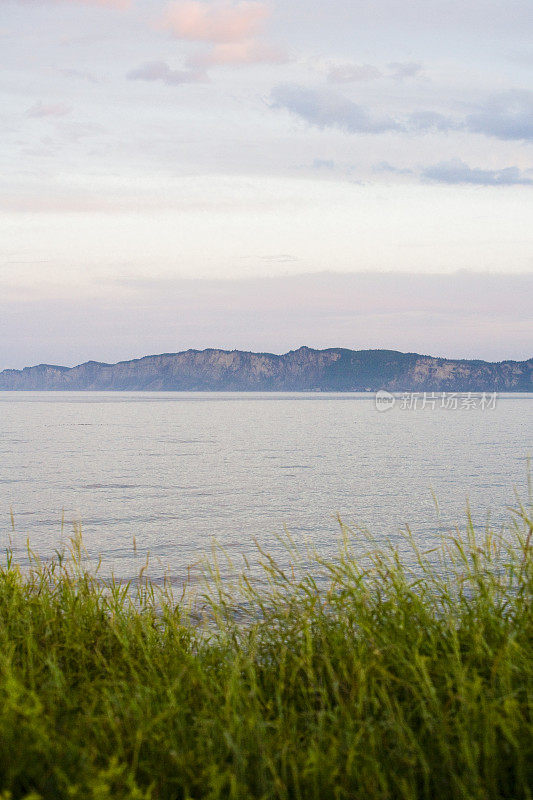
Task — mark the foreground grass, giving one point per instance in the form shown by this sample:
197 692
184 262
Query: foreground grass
392 682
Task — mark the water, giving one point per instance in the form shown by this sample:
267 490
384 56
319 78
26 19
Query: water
180 470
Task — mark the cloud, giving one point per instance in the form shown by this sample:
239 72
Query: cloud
219 22
79 74
350 73
323 163
506 116
456 171
326 109
235 53
48 110
405 69
432 121
384 166
160 71
230 28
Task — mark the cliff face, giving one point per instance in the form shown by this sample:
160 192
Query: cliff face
305 369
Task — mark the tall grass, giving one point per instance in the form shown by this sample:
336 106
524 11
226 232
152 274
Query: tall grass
374 677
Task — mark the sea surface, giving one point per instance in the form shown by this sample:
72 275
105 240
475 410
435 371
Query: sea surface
178 472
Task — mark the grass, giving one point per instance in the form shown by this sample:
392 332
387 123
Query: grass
383 676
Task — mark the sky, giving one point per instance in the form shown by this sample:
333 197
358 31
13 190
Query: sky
264 174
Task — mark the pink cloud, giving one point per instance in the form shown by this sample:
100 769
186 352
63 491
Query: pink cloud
219 22
231 28
235 53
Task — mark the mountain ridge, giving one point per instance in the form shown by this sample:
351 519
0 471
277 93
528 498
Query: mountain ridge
303 369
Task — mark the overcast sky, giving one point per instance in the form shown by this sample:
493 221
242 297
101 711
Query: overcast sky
163 161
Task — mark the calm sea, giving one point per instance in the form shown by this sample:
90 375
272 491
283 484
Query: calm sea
178 471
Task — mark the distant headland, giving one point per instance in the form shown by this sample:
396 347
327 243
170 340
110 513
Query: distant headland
305 369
